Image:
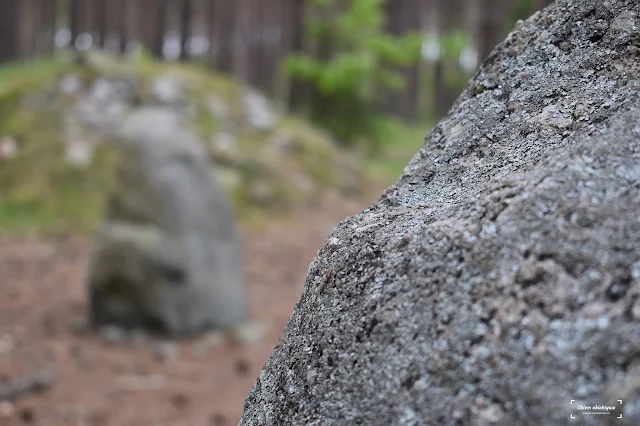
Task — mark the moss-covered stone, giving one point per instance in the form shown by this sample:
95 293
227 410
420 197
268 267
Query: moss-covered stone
63 105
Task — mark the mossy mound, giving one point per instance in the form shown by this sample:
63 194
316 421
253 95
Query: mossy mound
58 118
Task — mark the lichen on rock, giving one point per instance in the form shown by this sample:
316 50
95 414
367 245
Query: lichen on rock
497 280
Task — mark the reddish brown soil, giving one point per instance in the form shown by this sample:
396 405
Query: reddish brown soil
141 382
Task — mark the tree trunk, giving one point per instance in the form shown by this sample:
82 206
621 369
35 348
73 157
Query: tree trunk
540 4
448 19
210 13
123 24
27 14
255 52
75 19
494 15
100 13
47 38
403 16
225 34
270 19
160 21
241 42
185 28
9 31
297 89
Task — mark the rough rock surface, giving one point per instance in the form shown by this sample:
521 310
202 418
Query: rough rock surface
168 256
499 278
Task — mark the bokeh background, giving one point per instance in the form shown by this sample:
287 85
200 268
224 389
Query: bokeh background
308 109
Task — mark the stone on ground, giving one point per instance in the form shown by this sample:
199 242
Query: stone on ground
499 278
168 255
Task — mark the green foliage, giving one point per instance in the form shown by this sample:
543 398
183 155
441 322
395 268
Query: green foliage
360 59
452 44
400 143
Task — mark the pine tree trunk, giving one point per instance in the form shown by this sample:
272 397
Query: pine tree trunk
47 39
75 18
449 19
403 16
28 15
240 46
9 31
185 28
159 27
225 34
297 89
100 12
493 19
123 25
211 12
540 4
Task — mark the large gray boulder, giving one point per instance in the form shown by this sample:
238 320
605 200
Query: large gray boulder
168 256
499 278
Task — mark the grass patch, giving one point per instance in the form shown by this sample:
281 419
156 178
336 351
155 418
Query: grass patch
399 144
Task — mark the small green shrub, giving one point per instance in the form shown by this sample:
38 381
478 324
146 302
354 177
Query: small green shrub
354 60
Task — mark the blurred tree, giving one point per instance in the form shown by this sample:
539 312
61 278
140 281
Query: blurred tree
8 31
27 14
338 48
159 28
240 40
271 14
539 4
150 18
101 14
494 17
75 17
123 25
185 28
257 74
353 58
449 19
226 19
402 17
297 91
211 14
48 26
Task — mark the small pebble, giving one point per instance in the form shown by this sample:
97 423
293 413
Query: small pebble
242 366
167 351
112 334
204 346
7 409
218 419
180 400
249 332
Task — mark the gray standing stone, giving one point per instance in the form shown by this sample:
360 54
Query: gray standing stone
168 256
497 280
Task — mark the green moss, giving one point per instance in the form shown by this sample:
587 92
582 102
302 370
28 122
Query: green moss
19 75
40 191
312 150
206 124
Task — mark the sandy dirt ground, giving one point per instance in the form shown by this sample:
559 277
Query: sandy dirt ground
107 379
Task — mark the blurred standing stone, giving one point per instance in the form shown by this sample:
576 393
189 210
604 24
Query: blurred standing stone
168 256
